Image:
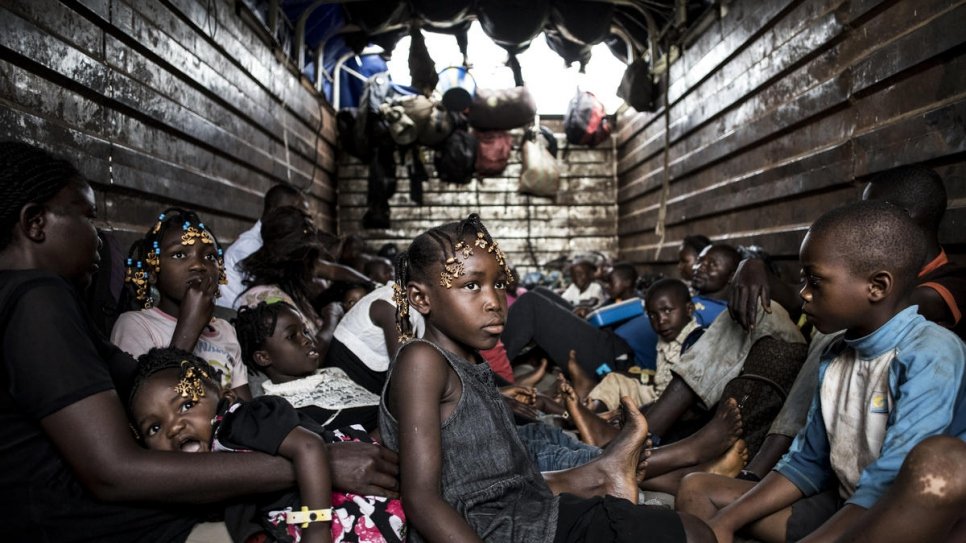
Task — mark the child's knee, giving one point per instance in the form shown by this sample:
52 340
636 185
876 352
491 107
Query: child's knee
694 486
933 469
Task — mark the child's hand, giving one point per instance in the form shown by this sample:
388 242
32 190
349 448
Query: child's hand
199 298
195 312
522 394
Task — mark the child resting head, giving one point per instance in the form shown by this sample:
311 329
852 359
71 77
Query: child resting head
173 401
178 253
274 341
669 307
176 405
859 264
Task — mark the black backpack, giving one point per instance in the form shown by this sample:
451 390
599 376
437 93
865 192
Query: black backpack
586 121
456 157
637 86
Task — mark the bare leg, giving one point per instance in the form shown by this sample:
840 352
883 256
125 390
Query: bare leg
770 452
616 471
531 379
926 500
708 443
704 494
593 429
676 399
727 465
582 382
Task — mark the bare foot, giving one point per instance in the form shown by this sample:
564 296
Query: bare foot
731 462
622 458
616 471
531 379
715 437
583 383
593 429
642 462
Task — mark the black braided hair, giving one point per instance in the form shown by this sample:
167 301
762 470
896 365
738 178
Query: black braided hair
28 175
166 358
675 287
143 260
254 325
434 246
288 256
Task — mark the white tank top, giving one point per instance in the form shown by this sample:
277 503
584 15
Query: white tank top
366 340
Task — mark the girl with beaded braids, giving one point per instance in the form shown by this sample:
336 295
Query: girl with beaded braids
180 257
177 405
70 469
464 474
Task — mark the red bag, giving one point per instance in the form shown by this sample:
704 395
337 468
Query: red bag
493 152
586 121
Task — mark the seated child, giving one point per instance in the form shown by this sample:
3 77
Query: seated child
893 380
671 311
275 343
366 339
583 293
461 462
176 405
621 283
379 269
182 259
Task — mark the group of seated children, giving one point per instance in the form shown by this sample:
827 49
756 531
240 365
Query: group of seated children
306 377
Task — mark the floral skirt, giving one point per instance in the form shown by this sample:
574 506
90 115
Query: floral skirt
355 518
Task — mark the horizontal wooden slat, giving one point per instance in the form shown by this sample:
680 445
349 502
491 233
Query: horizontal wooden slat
164 103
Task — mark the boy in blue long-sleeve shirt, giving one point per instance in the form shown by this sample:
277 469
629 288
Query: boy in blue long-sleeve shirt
892 381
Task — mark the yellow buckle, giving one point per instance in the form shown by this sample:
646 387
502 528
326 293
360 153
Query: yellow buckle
306 516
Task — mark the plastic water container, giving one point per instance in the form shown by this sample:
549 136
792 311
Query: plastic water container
457 87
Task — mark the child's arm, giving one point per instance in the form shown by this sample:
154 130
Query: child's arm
417 388
306 450
383 315
195 312
771 495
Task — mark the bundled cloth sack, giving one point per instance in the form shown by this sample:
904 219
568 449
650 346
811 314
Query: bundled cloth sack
541 171
637 86
456 157
493 152
586 121
439 125
502 109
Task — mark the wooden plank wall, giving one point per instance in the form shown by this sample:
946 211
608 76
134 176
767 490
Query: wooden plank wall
580 219
783 109
173 103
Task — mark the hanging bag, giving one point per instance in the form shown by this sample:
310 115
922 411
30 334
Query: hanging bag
637 86
456 157
541 171
586 121
502 109
493 152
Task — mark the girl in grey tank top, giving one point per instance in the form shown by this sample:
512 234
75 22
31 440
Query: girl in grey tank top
464 474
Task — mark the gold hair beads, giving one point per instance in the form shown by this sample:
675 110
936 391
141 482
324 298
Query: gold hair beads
191 385
453 268
402 304
192 233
